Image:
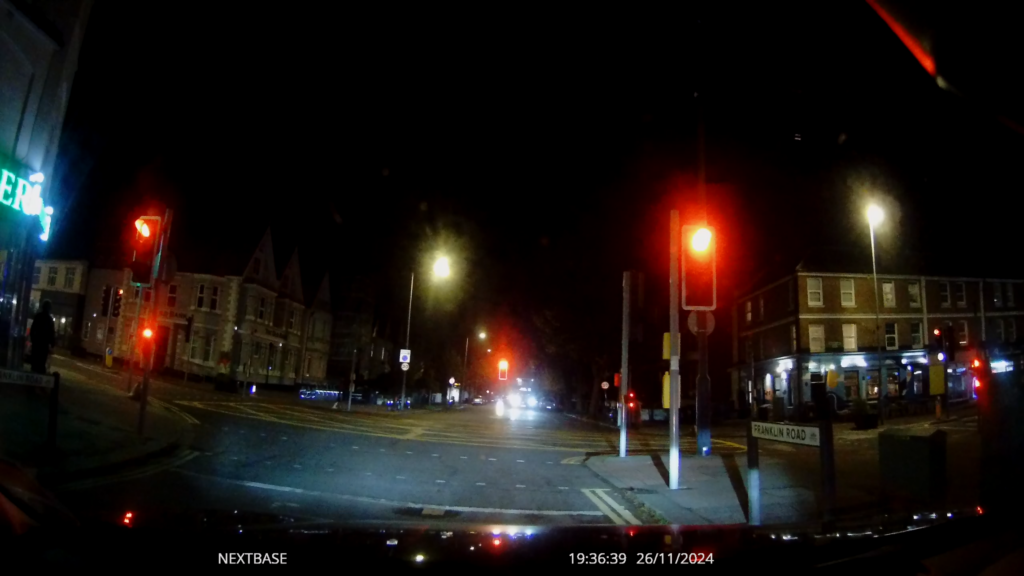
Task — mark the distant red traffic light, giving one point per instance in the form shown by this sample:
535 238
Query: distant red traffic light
503 370
142 227
147 333
936 332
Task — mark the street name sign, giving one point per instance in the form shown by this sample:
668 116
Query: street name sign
26 378
805 435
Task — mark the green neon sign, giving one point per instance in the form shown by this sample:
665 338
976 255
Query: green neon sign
25 196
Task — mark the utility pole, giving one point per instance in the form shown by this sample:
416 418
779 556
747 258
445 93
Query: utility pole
624 388
703 380
673 379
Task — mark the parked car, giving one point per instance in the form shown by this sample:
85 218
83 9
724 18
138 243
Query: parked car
478 401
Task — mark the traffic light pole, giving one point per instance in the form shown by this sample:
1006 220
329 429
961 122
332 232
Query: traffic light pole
106 327
624 389
673 378
150 348
703 387
131 338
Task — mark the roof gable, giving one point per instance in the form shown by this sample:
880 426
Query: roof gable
260 269
290 284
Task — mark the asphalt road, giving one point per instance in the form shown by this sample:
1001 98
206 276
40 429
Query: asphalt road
272 456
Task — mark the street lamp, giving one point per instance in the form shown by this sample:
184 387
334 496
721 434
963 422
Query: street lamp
483 335
465 358
875 216
441 270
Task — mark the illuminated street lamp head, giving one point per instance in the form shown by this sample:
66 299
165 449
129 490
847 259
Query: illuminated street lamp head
701 239
441 268
875 215
142 227
483 335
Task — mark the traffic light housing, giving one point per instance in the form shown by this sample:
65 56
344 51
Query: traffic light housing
115 311
144 246
699 272
105 303
503 370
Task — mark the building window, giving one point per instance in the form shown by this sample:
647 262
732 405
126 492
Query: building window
172 295
200 296
261 312
51 277
961 294
291 319
914 294
997 294
816 337
917 335
888 294
257 265
1000 330
789 294
1011 330
792 339
891 342
961 332
69 278
849 337
846 292
749 307
193 348
37 274
814 295
760 307
87 331
1009 295
209 342
944 294
214 296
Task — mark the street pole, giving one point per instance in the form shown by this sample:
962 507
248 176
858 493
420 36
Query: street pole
408 327
703 387
465 363
878 334
352 380
624 389
154 314
673 378
106 327
131 335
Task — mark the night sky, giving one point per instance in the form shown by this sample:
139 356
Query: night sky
543 149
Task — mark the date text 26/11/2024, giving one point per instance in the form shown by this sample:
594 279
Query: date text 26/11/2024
641 558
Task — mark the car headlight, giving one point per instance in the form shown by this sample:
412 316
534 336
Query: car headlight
531 402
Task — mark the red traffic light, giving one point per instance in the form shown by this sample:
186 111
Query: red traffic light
503 370
699 276
144 247
936 332
147 333
142 227
618 379
128 517
976 363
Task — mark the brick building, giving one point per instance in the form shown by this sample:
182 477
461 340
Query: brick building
794 329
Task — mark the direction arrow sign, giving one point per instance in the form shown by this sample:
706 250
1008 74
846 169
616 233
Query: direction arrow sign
806 435
405 356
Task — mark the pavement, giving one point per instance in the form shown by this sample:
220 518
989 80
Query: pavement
713 489
96 431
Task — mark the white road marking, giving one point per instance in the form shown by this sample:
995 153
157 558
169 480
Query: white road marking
549 462
381 449
330 469
369 473
383 502
408 452
435 455
355 447
520 485
284 437
439 481
493 459
400 477
481 484
563 487
297 466
520 460
603 493
463 457
601 506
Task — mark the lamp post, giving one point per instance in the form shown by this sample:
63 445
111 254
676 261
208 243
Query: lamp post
441 270
875 216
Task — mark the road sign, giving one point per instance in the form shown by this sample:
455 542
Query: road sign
604 385
805 435
691 322
405 366
26 378
405 356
